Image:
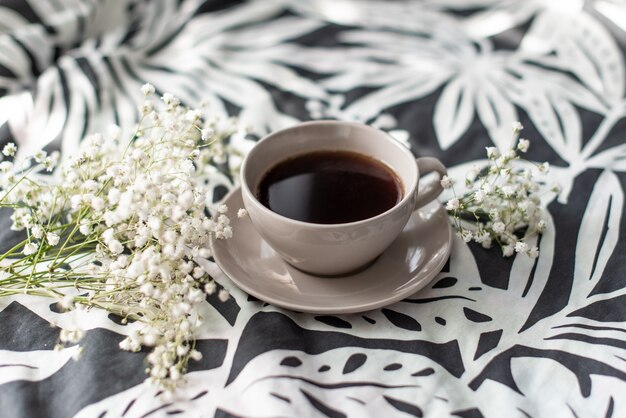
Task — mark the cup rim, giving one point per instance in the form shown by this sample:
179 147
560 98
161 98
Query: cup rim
408 194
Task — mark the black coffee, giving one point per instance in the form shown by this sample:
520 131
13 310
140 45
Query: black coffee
330 187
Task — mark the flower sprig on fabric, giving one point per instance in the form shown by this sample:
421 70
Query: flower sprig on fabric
122 229
502 204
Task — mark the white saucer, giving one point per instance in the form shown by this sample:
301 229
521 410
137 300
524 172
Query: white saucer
409 264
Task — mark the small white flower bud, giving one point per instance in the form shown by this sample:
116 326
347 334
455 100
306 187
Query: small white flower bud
182 350
223 295
521 247
147 89
541 225
453 204
523 145
36 231
498 227
97 203
492 153
116 247
210 288
9 149
52 238
125 344
446 182
113 196
30 248
186 199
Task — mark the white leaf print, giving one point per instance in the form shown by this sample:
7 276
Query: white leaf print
454 111
367 74
498 18
278 76
32 365
529 287
553 115
605 206
496 114
44 118
374 13
613 159
131 403
70 320
11 20
282 30
344 385
584 46
370 106
533 376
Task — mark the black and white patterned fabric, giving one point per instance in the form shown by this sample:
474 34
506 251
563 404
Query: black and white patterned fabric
489 337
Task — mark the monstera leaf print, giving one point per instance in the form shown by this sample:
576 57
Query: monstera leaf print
33 365
194 55
477 79
488 337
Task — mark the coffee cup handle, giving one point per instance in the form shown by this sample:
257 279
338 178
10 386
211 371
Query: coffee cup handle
433 188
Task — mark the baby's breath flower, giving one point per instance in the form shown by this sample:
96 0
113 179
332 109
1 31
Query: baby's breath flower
146 108
523 145
453 204
210 288
39 156
172 103
521 247
465 234
492 153
242 213
207 133
37 231
193 115
508 250
147 89
508 155
116 247
52 238
9 149
223 295
195 355
446 182
498 227
30 248
517 127
135 217
541 225
502 201
479 196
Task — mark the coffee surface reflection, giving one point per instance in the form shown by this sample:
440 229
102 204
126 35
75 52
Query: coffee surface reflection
330 187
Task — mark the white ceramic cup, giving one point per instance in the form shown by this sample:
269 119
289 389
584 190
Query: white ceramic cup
335 249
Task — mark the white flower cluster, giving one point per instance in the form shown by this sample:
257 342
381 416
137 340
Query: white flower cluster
131 219
502 203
